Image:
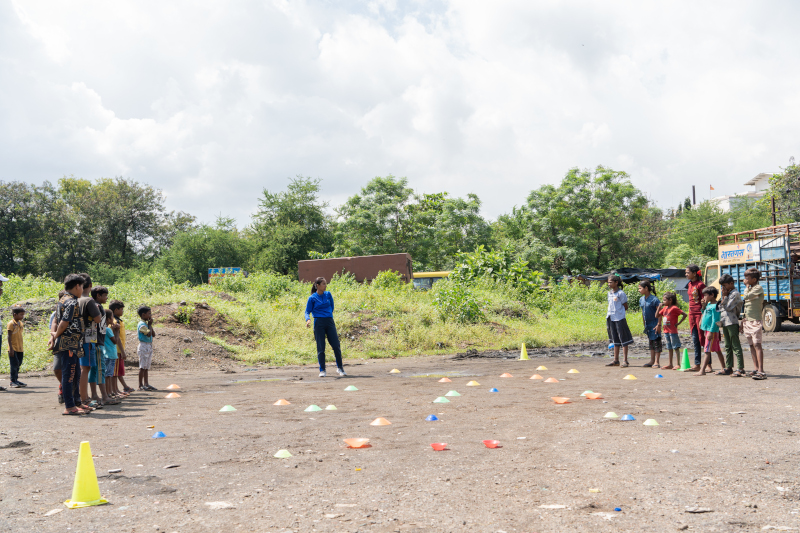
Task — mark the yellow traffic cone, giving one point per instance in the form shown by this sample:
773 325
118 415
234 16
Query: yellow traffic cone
523 353
85 491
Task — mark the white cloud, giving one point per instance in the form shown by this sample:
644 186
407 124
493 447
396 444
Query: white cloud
213 102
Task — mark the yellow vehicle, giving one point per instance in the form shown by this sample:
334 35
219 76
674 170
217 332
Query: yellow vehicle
425 280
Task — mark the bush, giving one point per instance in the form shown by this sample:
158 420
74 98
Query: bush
456 302
498 266
388 279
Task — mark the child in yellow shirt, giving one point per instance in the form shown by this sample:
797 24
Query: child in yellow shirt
15 347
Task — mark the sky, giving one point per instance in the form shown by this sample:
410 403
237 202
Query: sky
213 102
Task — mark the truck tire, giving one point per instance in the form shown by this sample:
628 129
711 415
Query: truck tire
770 318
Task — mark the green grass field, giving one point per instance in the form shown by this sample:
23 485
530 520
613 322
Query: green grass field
373 322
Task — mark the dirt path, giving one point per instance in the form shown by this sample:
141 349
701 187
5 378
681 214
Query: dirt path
730 445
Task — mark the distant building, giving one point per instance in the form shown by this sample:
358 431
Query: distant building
760 185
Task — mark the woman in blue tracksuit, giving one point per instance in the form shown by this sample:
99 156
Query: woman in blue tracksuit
320 305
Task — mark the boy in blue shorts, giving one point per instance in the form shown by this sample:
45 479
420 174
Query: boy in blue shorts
145 331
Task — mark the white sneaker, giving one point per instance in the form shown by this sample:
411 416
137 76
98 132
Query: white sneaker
322 374
341 371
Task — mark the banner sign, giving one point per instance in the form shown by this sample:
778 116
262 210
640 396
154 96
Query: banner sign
746 252
217 273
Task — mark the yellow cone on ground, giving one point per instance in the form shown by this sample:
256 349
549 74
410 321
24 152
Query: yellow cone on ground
629 376
394 371
523 353
85 490
473 384
172 395
542 368
573 371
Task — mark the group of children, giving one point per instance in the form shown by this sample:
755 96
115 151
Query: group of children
88 344
710 314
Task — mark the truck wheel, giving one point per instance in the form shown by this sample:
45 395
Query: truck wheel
770 318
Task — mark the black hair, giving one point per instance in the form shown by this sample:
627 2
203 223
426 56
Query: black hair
725 279
115 304
696 270
617 279
648 285
671 297
317 281
71 280
753 273
109 315
142 310
87 280
17 309
711 290
98 290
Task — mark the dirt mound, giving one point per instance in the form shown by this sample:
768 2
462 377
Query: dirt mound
36 311
202 317
179 348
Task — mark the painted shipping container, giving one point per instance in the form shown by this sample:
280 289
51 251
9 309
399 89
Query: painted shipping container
364 267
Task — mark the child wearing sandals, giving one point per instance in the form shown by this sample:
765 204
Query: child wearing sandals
709 324
618 331
668 317
650 305
751 325
730 305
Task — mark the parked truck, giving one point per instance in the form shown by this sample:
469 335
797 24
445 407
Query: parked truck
775 252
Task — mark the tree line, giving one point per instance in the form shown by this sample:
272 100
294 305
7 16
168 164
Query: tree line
594 220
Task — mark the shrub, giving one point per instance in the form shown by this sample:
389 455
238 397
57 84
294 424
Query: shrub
456 302
388 279
499 266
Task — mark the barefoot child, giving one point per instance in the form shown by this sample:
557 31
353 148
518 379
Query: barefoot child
145 350
618 331
650 305
671 317
708 324
118 308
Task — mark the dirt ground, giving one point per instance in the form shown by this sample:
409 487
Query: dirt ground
729 446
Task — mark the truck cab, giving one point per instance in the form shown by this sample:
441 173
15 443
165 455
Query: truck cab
425 280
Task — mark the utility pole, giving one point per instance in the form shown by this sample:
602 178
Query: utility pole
774 222
694 198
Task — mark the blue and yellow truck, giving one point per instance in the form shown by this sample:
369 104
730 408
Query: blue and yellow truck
775 252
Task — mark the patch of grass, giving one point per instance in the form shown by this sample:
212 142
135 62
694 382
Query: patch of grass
221 342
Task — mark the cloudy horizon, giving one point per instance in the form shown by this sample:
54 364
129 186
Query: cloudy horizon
214 102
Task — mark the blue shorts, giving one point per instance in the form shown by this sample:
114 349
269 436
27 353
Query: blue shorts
673 341
108 367
94 375
89 355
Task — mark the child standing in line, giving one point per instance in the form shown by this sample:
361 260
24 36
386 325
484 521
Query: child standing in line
145 350
618 331
118 308
100 296
730 305
671 316
695 290
751 325
110 355
650 304
709 325
15 348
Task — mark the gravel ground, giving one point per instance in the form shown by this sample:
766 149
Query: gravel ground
725 445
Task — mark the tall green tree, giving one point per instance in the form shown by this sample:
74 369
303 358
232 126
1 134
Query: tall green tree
290 224
194 251
593 221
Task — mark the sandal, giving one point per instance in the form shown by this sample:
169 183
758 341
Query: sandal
129 390
94 404
759 376
648 365
725 372
624 365
613 363
112 401
151 388
738 374
74 412
668 367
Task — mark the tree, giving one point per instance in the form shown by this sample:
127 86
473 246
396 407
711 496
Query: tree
376 221
204 247
592 221
698 229
289 225
389 217
785 188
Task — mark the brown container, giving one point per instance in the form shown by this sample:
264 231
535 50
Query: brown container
364 267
